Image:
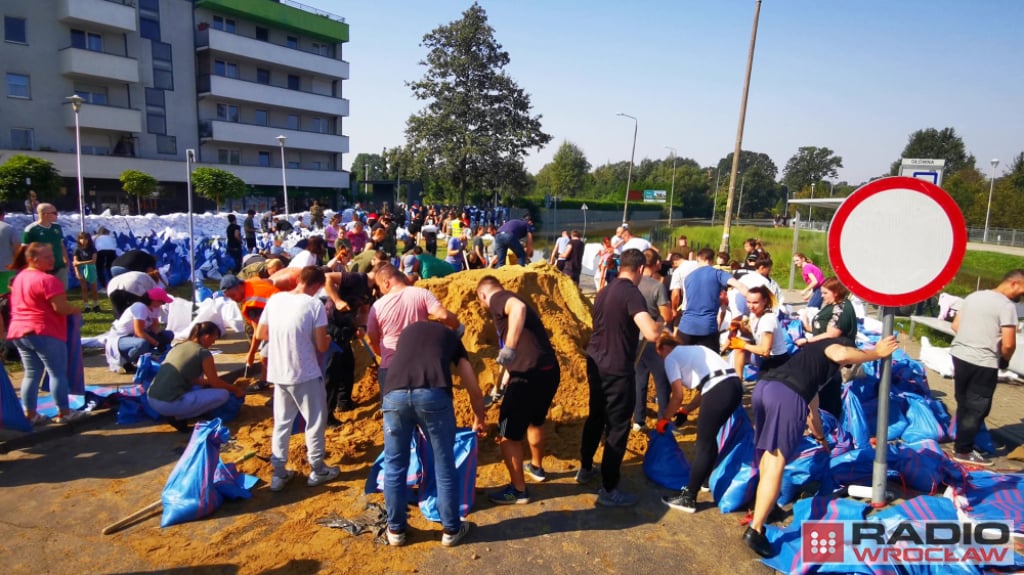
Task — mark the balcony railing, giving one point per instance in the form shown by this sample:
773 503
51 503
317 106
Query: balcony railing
312 10
203 41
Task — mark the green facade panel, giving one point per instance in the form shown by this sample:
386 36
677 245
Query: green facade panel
280 15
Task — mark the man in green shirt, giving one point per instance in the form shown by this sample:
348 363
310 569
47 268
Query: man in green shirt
431 267
46 230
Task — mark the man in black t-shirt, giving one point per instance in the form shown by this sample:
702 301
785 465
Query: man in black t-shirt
783 400
418 392
133 261
234 241
350 295
533 370
620 317
249 229
574 263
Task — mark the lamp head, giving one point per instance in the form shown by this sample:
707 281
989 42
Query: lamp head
281 139
76 102
190 155
994 163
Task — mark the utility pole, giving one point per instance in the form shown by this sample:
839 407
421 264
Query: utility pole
739 135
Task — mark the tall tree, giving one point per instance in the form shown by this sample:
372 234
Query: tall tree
371 165
1017 172
748 161
22 173
138 184
934 144
568 173
477 119
811 164
217 185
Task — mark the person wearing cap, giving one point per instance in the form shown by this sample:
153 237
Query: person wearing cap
138 330
251 297
510 237
126 289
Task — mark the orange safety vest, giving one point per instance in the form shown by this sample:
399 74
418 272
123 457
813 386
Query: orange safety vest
257 292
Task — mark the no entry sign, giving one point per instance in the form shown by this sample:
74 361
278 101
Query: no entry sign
897 241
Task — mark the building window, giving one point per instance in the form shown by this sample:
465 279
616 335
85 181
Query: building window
322 49
262 76
293 82
315 165
155 97
320 125
18 86
92 94
228 69
86 40
294 165
156 123
264 159
227 112
260 118
14 30
96 150
233 157
262 34
149 28
166 145
163 79
225 24
21 138
293 122
150 5
292 42
161 51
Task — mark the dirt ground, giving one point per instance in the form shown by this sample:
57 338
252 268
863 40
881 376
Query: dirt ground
59 494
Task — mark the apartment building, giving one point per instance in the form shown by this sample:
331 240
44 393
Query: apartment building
225 78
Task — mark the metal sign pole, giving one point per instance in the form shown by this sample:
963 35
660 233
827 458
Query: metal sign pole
879 470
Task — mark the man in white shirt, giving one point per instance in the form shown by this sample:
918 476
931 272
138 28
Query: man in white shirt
294 324
761 276
631 242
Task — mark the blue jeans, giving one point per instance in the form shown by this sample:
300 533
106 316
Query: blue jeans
132 347
39 354
504 242
432 411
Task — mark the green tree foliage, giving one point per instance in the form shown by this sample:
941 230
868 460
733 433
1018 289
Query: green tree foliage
476 123
217 185
748 161
934 144
567 175
138 184
969 189
22 173
1017 172
811 164
368 164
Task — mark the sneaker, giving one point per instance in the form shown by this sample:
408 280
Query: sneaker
536 473
508 496
127 369
452 539
615 498
758 542
395 539
325 475
972 458
38 419
683 501
277 482
586 475
180 425
70 416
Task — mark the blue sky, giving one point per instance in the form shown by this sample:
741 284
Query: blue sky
857 77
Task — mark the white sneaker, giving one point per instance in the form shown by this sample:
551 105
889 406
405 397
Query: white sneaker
325 475
277 482
395 539
452 539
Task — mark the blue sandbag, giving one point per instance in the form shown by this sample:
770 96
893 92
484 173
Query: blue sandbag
734 478
191 491
787 541
12 416
808 472
664 462
922 423
924 467
465 474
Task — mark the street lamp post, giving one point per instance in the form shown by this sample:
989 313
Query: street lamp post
284 176
629 176
810 209
672 193
190 156
991 186
76 105
739 204
714 205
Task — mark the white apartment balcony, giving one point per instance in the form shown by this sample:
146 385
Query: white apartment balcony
273 54
98 65
251 134
111 118
242 91
259 176
116 15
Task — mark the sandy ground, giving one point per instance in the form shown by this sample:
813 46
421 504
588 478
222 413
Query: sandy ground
57 495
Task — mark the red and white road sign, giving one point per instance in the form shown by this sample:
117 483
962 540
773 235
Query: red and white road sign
897 241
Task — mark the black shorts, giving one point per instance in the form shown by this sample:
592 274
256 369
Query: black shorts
527 400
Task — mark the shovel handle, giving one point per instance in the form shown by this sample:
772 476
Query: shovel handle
144 512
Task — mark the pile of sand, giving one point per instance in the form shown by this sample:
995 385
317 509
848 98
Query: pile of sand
292 532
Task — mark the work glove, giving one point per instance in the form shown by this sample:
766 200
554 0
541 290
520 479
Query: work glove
662 426
506 356
736 343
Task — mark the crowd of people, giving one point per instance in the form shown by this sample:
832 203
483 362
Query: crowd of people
689 320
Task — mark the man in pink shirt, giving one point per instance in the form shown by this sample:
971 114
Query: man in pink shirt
402 304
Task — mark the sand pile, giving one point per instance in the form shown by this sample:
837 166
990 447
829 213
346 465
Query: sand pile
267 531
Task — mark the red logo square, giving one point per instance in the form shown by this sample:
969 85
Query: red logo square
822 542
